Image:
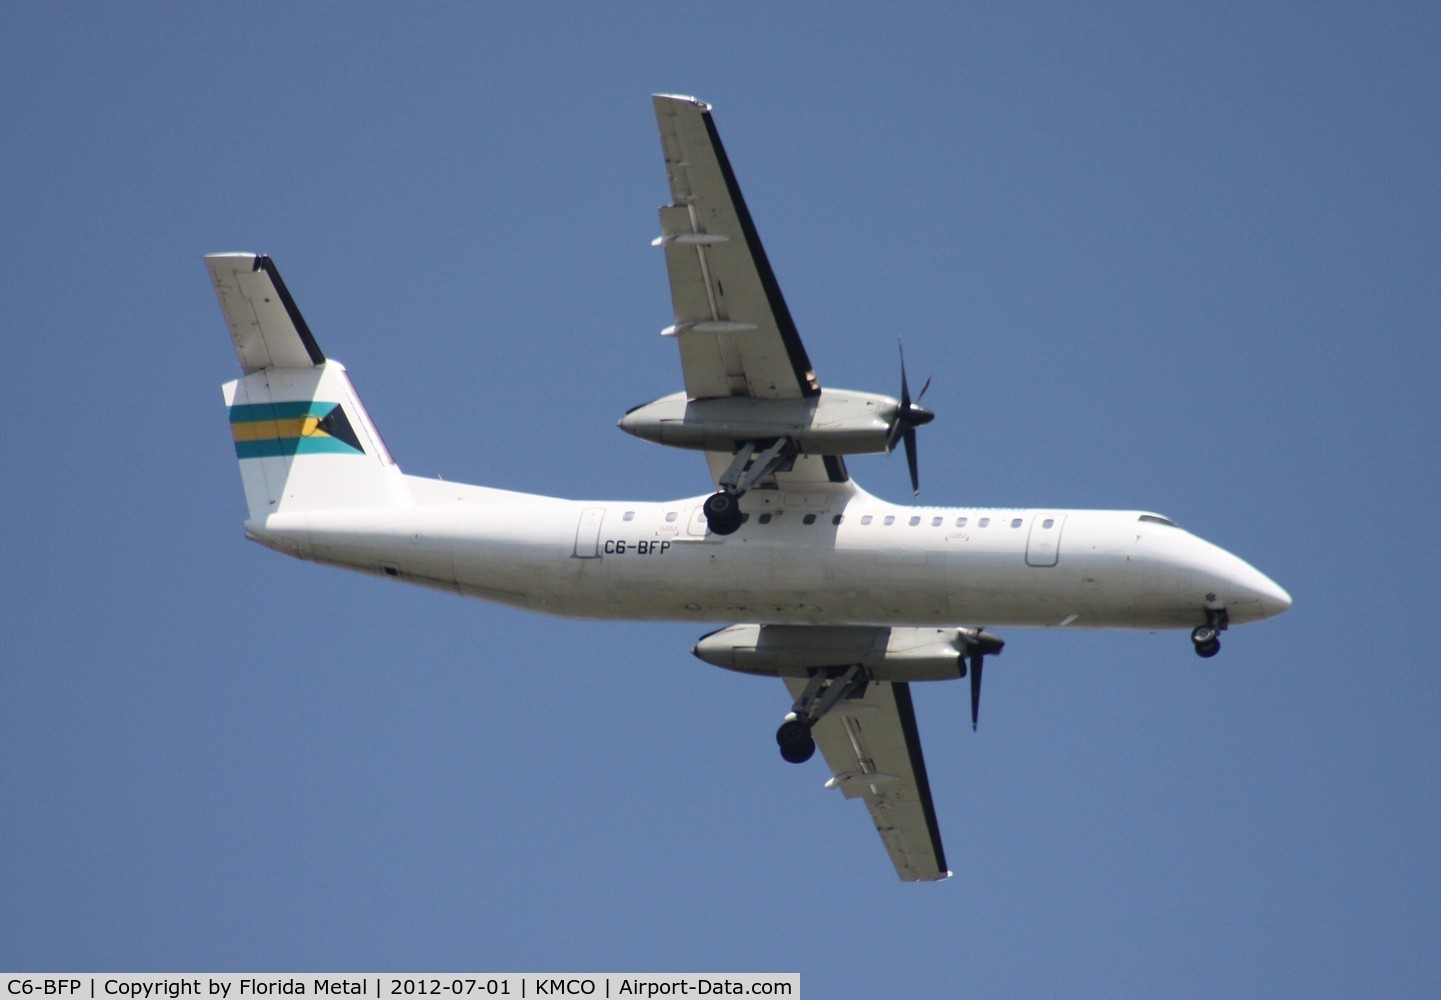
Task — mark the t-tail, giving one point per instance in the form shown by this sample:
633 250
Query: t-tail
303 439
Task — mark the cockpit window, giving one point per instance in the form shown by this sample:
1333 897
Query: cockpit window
1157 519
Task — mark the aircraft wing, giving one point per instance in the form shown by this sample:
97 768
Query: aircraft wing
736 335
874 752
735 332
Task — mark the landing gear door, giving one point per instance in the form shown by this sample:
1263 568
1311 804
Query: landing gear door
1043 545
587 533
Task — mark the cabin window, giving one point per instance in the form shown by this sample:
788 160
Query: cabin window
984 522
1048 523
1015 522
765 518
890 519
960 522
838 519
867 519
629 516
670 516
935 522
915 520
809 519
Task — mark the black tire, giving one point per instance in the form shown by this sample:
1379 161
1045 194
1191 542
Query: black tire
722 513
798 753
1206 650
792 731
719 505
795 740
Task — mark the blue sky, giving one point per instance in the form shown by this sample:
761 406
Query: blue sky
1181 259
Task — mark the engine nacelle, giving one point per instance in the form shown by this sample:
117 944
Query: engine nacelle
837 422
887 654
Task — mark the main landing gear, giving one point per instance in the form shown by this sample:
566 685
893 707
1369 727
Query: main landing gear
826 689
722 512
754 460
1207 637
796 742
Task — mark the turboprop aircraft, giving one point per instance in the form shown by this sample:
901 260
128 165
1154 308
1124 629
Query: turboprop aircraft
843 596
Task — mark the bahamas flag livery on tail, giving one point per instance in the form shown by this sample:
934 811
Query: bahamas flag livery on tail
847 599
264 430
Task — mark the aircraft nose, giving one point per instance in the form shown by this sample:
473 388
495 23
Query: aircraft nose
1274 599
1244 590
1251 584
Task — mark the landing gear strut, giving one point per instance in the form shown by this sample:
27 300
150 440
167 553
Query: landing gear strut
754 460
1207 637
823 692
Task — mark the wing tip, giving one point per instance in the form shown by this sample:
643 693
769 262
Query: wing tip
913 876
681 99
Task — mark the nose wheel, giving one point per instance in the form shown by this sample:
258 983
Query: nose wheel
1207 638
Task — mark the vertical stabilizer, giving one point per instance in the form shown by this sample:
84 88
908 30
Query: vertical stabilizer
301 435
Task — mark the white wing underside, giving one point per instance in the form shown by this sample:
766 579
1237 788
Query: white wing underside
735 332
874 753
733 327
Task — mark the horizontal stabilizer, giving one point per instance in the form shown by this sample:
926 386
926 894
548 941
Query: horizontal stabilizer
265 325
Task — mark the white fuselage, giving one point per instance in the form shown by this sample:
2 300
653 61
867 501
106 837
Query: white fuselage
835 556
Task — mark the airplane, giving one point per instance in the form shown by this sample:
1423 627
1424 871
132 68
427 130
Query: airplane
848 599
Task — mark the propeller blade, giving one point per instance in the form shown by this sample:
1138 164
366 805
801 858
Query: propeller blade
911 462
908 416
977 662
898 426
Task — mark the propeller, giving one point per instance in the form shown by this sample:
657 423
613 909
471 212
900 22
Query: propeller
977 663
908 416
980 645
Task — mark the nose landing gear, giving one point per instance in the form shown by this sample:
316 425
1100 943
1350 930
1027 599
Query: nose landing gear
1207 637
